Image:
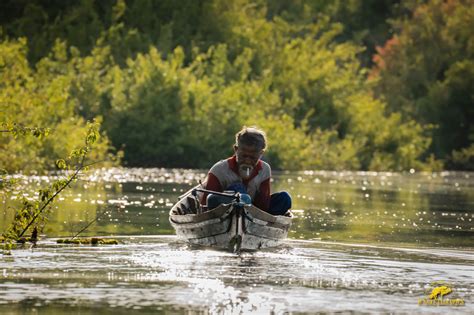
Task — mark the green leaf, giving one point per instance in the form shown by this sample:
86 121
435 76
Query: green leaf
61 164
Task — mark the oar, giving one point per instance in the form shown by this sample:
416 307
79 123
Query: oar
235 195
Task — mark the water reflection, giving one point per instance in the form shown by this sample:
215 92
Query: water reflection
361 241
383 207
363 207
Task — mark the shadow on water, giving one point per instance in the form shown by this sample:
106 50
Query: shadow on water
369 242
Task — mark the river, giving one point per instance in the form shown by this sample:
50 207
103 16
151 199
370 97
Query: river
360 242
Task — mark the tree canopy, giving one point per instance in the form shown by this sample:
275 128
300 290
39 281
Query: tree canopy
172 82
426 72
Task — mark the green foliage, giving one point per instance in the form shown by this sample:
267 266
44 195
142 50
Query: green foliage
89 241
132 26
17 130
38 97
31 215
313 90
463 159
426 72
174 81
44 22
365 22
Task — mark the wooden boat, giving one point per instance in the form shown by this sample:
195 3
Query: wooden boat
235 226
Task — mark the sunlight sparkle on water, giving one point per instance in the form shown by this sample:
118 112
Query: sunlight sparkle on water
347 251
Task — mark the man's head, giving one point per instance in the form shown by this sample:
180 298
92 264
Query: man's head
250 144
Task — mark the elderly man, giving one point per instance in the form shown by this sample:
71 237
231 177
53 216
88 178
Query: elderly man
245 172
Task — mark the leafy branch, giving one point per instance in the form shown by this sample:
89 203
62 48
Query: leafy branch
20 130
32 212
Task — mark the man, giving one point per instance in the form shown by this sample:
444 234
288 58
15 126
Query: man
245 172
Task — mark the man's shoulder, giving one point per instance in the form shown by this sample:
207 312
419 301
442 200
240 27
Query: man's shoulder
265 165
219 166
266 169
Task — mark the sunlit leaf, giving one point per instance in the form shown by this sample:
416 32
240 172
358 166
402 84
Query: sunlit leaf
61 164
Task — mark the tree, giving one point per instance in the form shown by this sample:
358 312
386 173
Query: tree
245 63
38 98
426 72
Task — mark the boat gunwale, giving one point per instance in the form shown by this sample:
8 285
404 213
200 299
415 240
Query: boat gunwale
223 211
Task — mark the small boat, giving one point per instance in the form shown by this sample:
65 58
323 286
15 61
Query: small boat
234 226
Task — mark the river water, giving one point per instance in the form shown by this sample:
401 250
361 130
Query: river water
360 242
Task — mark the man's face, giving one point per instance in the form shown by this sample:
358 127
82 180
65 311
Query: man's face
247 158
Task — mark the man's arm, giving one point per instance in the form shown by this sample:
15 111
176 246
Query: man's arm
214 184
262 199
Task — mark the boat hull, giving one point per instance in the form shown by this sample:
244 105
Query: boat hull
233 226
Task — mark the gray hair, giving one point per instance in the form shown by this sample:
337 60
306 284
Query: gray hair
251 136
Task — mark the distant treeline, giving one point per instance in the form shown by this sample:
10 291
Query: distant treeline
356 84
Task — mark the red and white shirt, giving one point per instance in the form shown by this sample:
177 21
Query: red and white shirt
226 172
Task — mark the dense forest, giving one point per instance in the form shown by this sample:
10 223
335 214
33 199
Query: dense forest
337 85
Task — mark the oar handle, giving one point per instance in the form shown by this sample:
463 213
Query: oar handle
235 195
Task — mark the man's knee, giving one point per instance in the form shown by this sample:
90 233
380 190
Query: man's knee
212 201
280 203
283 198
